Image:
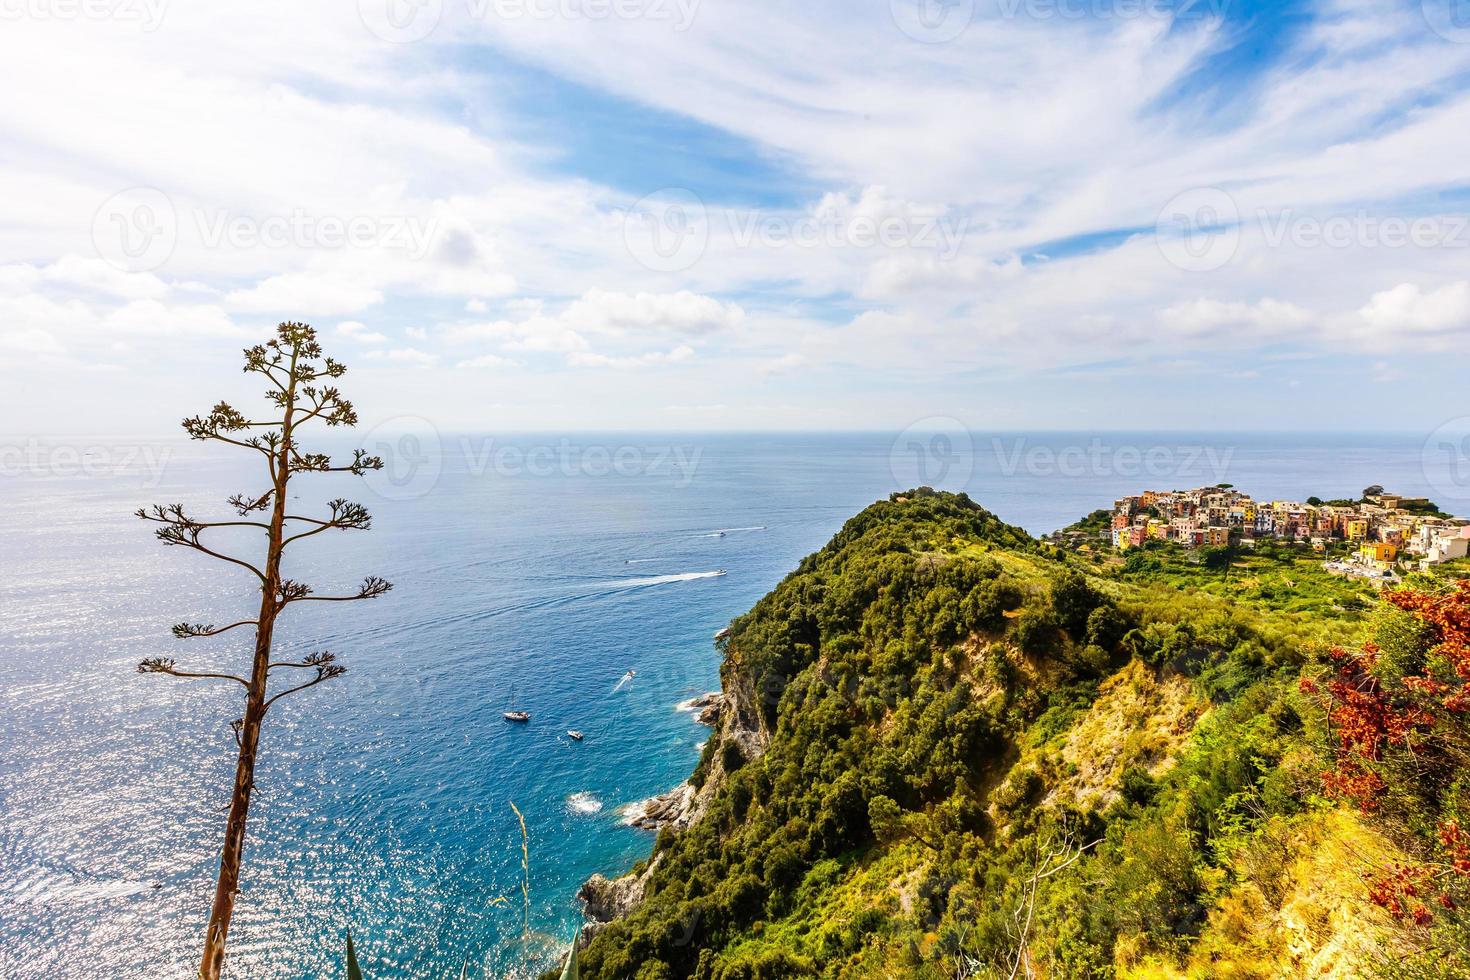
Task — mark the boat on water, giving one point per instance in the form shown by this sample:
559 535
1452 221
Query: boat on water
723 633
518 716
720 572
575 735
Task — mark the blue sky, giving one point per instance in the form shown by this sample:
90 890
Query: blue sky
567 214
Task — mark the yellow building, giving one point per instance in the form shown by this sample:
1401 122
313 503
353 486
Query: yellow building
1379 554
1355 528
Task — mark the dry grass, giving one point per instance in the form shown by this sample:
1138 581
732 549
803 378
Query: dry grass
1137 720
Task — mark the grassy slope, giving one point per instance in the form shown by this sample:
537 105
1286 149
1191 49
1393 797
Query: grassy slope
933 657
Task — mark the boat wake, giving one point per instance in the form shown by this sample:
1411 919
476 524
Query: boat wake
634 583
583 804
720 532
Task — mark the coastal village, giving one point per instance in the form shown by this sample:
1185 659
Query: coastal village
1375 537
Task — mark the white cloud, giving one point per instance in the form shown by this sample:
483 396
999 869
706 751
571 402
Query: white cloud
636 320
1236 322
291 108
95 275
358 331
297 294
488 361
1407 310
652 358
408 356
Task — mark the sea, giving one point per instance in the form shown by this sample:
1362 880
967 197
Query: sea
580 578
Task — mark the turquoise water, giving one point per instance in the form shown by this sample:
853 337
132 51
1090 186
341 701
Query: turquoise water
528 580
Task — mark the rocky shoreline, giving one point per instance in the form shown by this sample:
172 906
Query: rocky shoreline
734 719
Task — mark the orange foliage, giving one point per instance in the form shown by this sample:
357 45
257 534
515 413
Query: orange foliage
1374 720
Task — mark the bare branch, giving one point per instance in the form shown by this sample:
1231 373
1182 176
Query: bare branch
371 588
186 630
245 505
314 659
183 531
322 463
323 673
163 665
342 515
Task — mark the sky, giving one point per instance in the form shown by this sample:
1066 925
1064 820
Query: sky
742 214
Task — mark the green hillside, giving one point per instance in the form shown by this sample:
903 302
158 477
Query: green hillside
949 750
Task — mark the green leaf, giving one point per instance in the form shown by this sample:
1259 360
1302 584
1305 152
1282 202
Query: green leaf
353 973
570 971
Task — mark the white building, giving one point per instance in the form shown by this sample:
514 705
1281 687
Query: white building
1448 544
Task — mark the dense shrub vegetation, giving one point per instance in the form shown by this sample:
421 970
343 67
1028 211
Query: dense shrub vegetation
989 757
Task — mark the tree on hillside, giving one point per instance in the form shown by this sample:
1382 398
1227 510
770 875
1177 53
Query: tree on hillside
1398 711
300 392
